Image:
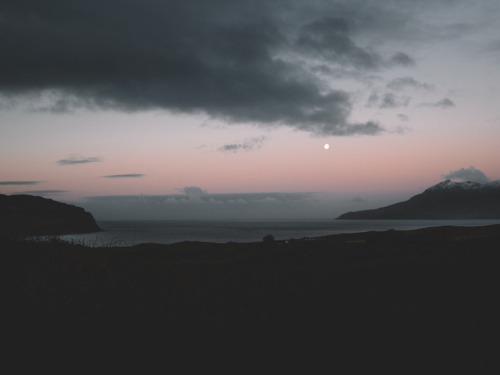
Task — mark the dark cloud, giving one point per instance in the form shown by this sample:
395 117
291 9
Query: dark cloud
370 128
401 58
130 175
247 145
402 83
20 182
443 103
75 159
467 174
330 39
227 59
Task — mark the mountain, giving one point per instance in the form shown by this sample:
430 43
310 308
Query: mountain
27 215
446 200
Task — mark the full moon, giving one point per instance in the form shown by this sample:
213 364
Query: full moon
326 146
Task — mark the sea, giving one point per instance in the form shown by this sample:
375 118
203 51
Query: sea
130 233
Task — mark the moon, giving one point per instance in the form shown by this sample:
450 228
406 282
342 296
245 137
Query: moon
326 146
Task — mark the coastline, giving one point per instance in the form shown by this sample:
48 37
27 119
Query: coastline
130 233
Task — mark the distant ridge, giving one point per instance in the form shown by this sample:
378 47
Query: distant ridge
445 200
28 215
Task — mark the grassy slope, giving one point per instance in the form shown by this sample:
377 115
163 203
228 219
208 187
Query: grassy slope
400 301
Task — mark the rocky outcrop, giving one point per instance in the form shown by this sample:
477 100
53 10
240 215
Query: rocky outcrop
446 200
27 215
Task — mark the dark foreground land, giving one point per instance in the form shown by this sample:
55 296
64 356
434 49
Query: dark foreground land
423 301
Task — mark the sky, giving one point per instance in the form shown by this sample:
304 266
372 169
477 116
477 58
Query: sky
193 109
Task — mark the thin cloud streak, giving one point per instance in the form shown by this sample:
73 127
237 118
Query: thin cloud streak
75 159
130 175
19 183
43 192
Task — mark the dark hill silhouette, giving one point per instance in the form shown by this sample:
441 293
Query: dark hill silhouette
400 301
27 215
446 200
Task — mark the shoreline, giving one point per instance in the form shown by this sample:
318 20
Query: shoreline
130 233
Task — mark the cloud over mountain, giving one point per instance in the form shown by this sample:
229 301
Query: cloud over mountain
467 174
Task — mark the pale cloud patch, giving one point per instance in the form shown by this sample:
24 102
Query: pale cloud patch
402 83
402 117
246 145
391 100
443 103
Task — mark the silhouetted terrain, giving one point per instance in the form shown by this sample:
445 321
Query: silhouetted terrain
27 215
446 200
401 302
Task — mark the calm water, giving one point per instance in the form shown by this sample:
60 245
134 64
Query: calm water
128 233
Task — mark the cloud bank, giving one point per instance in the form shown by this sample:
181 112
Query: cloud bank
194 203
